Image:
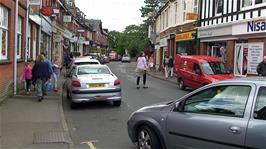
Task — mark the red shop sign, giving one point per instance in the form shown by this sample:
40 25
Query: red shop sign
47 11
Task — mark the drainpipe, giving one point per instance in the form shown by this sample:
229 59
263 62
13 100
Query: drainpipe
15 49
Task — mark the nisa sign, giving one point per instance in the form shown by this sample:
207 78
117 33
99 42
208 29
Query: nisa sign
256 26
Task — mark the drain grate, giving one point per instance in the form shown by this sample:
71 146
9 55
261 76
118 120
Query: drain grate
51 137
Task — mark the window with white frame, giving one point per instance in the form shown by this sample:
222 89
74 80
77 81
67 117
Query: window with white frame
3 33
184 10
249 3
219 6
195 6
29 52
176 13
19 37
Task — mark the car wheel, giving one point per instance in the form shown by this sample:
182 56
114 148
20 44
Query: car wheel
117 103
181 84
148 139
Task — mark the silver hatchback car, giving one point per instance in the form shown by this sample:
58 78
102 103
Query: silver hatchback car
86 83
230 114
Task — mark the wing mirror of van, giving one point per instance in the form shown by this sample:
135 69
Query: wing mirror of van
198 71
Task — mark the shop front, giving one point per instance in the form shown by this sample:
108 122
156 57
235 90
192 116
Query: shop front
163 51
240 45
186 43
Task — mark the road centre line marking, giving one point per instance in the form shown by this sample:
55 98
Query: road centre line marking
90 143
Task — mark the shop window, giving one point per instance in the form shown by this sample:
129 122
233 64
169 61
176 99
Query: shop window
3 33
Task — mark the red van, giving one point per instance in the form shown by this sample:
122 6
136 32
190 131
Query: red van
195 71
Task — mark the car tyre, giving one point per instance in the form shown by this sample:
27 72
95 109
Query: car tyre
147 138
117 103
181 84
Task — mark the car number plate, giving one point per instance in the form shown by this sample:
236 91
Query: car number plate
95 85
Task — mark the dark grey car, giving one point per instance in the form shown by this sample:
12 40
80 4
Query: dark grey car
229 114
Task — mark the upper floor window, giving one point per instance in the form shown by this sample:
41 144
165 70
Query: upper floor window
219 6
19 37
195 6
184 10
248 3
3 33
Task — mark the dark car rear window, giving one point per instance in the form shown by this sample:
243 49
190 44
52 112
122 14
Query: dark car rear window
85 63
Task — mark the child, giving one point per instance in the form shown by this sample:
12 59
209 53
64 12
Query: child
57 67
27 75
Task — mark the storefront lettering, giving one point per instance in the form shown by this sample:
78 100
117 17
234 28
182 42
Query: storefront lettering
256 26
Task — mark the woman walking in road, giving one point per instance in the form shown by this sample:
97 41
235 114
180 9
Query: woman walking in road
41 73
141 69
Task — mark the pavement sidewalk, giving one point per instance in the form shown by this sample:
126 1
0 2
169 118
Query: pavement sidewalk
27 123
160 75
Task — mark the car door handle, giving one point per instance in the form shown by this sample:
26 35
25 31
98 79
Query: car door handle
234 129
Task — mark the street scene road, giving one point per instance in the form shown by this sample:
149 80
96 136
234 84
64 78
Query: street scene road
106 124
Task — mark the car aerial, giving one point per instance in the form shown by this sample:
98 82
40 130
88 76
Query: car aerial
86 83
125 58
222 115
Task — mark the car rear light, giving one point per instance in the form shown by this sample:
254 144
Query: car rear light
76 83
117 82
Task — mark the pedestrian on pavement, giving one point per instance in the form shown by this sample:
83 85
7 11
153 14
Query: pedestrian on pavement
165 64
261 68
141 69
171 66
48 62
56 71
51 71
41 73
27 75
151 62
67 61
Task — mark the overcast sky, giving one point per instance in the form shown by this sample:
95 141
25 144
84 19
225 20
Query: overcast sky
115 14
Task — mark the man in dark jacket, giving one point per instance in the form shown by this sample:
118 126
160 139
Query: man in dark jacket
41 73
171 66
261 68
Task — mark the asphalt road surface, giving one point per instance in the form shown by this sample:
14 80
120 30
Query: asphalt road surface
106 125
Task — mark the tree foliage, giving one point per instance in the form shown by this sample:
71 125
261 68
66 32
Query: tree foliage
133 38
150 9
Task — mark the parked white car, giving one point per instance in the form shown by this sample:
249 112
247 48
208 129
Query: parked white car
86 83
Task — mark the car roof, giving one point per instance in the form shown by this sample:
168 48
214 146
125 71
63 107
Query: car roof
202 58
255 80
96 66
85 59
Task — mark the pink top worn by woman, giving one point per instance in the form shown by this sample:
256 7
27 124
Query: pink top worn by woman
27 73
142 63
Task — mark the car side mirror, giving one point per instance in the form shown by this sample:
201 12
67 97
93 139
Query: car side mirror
179 107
